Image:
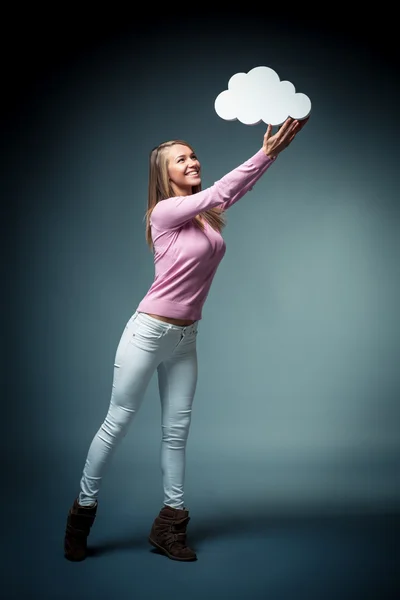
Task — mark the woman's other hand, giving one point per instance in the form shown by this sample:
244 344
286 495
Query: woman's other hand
274 144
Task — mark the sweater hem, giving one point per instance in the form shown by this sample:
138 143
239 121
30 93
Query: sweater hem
172 310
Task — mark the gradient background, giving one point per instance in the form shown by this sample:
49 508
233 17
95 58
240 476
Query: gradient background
294 451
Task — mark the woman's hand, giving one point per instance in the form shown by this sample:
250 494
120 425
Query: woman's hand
274 144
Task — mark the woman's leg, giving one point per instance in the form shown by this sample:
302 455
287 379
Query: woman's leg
137 356
177 380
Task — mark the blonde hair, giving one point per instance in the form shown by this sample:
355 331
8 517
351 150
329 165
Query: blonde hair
159 188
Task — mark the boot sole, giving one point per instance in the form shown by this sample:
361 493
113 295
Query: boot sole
163 551
73 558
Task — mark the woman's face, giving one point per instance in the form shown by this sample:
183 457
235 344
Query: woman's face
183 169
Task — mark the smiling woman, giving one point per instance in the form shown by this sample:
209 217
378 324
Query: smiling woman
172 173
183 228
183 169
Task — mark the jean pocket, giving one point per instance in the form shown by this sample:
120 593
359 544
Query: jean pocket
148 327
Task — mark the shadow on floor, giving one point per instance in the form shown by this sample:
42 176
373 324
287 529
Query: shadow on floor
378 529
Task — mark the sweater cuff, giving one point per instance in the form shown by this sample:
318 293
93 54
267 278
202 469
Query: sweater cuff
260 159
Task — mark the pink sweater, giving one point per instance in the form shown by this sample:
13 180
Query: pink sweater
186 258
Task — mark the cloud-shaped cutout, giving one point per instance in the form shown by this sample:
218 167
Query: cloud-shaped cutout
260 95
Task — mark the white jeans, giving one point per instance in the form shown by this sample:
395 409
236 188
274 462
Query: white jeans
148 344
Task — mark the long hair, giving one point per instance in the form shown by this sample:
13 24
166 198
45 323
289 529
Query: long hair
159 188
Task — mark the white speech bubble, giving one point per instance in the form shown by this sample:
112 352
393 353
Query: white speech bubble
260 95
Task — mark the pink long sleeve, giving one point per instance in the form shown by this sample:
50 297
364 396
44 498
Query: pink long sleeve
174 212
186 258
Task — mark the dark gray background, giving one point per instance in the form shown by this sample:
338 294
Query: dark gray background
297 407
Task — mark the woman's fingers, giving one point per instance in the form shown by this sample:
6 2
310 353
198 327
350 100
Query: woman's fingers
286 126
268 132
285 134
293 129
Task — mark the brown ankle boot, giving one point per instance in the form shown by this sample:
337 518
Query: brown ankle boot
80 520
168 533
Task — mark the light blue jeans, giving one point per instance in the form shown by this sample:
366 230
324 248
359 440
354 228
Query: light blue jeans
147 345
